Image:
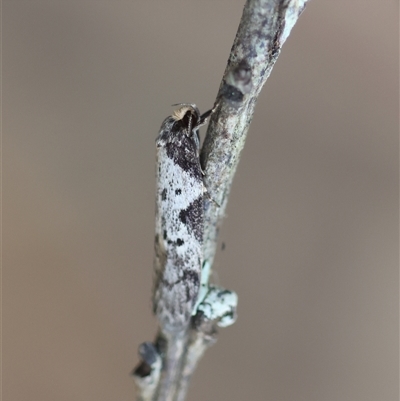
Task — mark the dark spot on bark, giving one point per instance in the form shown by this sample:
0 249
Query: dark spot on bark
148 352
276 41
165 234
263 71
231 93
198 320
143 370
179 242
164 194
253 53
178 191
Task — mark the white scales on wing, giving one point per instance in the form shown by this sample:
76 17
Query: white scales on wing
179 218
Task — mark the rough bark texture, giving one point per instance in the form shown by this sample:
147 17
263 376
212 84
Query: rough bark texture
264 27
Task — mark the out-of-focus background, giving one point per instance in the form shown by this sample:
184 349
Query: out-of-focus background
311 231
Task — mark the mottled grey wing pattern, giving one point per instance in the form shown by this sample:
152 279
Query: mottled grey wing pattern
179 219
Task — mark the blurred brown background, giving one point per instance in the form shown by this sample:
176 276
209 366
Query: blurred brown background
312 227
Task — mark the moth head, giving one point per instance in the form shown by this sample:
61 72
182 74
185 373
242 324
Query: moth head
189 115
185 108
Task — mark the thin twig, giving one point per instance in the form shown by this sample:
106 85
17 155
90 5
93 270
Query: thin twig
264 27
170 377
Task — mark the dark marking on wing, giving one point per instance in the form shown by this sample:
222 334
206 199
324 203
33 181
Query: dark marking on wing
192 217
189 276
184 153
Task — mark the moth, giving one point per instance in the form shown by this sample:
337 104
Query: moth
179 218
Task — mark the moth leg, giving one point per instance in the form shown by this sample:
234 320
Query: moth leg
204 116
210 198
